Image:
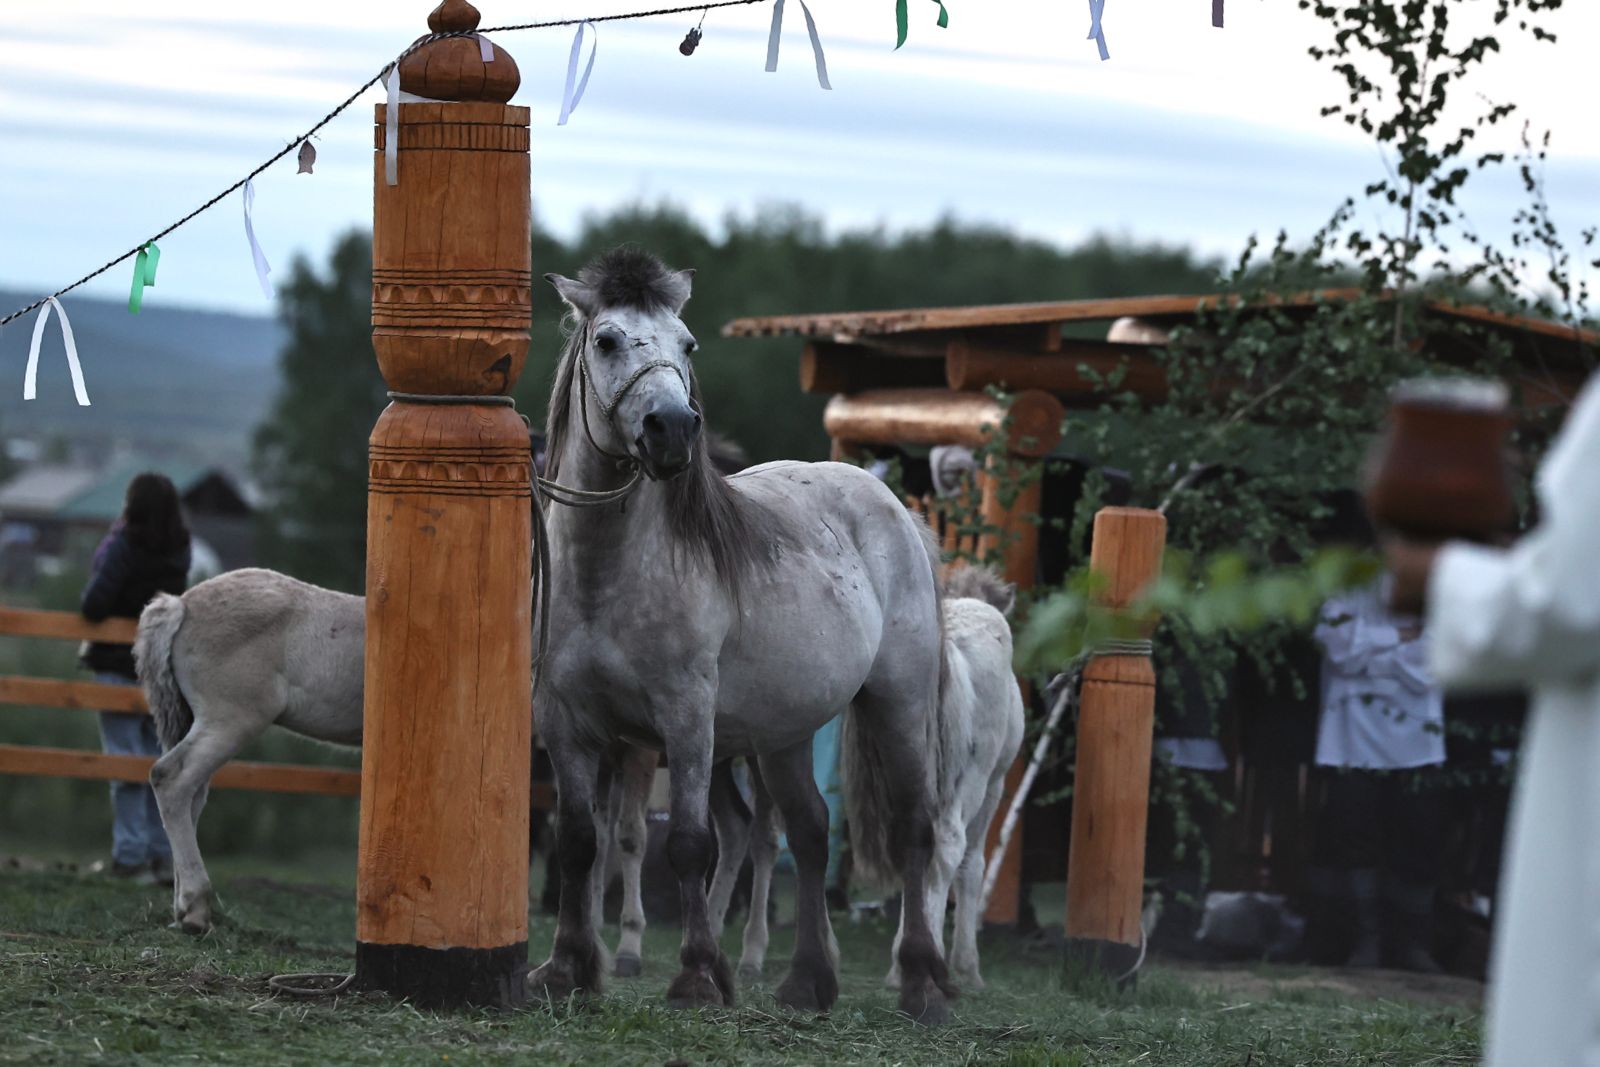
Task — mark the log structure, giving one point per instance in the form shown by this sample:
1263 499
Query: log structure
442 877
1111 786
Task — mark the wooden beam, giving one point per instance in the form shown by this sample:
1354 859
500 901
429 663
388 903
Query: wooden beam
828 367
21 622
940 417
971 367
239 774
59 693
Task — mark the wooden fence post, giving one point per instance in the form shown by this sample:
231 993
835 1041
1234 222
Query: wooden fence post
1111 787
1017 545
442 874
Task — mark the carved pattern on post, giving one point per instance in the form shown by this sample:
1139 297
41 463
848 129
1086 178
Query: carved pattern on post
455 472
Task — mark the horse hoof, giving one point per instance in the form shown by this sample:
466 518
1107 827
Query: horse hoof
749 972
195 918
553 983
970 980
813 993
928 1006
627 965
892 979
697 989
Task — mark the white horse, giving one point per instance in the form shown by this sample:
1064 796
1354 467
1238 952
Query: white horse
714 618
981 725
229 658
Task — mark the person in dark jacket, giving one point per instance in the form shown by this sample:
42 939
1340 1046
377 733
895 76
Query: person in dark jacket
147 552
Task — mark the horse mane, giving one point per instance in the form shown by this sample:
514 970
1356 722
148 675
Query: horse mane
705 516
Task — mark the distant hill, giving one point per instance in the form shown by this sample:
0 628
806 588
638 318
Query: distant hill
166 382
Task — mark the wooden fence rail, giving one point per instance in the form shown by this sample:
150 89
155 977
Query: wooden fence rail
99 696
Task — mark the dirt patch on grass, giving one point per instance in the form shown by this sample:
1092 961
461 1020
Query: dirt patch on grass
1259 982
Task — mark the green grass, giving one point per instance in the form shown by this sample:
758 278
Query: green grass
90 974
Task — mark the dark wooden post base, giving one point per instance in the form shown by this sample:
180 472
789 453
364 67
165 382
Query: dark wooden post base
446 977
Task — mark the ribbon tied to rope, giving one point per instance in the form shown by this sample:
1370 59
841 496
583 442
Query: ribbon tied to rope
30 378
258 257
902 20
144 273
776 32
573 92
1097 34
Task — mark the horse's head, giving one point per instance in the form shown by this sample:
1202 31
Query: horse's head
632 357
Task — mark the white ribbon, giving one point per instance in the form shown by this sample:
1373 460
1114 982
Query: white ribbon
259 257
1096 34
391 115
816 42
485 49
30 379
575 86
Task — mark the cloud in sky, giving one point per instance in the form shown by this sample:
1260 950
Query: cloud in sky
118 118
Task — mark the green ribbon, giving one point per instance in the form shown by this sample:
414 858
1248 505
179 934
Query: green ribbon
144 273
901 20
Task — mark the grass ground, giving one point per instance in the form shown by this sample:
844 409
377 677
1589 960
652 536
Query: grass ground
90 974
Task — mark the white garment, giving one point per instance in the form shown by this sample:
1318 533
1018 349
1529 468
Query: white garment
1380 708
1531 616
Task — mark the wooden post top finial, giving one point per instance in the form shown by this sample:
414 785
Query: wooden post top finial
452 68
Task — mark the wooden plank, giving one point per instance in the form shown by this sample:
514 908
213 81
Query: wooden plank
59 693
828 368
22 622
239 774
972 368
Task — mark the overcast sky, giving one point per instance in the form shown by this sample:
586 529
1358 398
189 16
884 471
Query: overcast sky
116 117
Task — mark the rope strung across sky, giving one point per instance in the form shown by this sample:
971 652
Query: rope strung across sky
342 106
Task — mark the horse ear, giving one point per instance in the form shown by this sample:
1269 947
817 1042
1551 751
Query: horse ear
678 288
1008 596
579 296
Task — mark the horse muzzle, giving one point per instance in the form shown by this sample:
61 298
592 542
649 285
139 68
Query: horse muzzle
667 442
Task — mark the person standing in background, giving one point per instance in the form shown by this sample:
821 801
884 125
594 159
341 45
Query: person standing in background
1381 735
146 552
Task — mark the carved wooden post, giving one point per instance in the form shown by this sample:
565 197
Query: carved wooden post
442 880
1111 788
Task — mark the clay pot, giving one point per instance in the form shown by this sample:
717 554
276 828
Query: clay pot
1439 470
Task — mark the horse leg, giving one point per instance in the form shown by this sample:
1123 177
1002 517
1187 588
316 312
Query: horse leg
950 844
638 773
812 983
575 959
608 791
731 818
763 854
179 779
892 721
969 888
705 978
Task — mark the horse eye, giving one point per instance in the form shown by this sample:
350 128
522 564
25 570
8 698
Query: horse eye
606 342
691 346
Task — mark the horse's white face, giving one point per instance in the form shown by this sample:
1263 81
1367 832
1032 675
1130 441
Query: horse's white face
638 367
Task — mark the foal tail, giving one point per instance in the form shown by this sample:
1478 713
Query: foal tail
868 799
152 654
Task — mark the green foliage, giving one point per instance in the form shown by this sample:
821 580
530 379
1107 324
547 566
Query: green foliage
1221 598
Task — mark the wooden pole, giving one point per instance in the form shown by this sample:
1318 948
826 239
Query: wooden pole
940 417
442 873
1014 539
1111 787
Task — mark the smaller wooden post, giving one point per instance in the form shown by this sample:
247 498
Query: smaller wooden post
1111 787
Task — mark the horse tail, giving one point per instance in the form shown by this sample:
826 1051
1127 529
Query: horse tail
869 804
152 655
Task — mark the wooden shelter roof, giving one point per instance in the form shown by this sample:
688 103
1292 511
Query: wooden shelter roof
1026 345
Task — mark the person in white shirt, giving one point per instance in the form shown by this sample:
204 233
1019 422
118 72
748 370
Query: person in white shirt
1381 735
1530 615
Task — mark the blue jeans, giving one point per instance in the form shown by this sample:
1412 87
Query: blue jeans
136 834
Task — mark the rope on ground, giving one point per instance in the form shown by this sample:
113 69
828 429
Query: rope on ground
311 984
